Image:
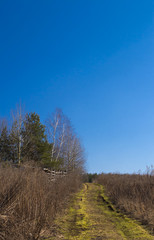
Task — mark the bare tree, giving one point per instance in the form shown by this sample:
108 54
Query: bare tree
72 149
16 131
56 132
65 144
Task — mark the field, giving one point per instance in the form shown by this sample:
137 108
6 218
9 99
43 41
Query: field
131 194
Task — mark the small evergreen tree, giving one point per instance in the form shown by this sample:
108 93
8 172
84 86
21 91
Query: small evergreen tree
35 144
5 150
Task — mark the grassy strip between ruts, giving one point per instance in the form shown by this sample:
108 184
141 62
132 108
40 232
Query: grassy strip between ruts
92 216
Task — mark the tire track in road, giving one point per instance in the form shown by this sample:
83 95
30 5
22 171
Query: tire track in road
91 216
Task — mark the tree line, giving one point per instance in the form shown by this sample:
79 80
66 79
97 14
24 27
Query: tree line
53 144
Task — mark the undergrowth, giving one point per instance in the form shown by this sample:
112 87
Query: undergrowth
131 194
29 201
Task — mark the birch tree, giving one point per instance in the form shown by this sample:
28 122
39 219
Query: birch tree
56 134
16 132
67 152
72 150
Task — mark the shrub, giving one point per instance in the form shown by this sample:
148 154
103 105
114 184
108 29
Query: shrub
29 201
132 194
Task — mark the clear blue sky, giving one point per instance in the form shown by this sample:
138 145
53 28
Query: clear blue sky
95 60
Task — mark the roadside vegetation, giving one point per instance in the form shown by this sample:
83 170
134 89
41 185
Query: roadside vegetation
132 194
29 201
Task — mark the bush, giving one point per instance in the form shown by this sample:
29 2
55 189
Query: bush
29 201
132 194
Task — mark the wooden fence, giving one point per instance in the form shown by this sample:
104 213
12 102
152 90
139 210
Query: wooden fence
54 174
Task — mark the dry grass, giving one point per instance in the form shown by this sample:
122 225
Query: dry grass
29 201
132 194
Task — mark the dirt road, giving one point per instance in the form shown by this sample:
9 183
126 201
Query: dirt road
92 216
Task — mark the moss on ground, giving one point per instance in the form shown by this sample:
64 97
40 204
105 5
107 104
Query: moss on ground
92 216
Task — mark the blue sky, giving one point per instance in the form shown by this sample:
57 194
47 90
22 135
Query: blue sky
93 59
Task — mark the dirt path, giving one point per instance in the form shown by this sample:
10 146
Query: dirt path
91 216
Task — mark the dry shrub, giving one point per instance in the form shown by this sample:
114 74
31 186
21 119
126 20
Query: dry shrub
29 201
132 194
